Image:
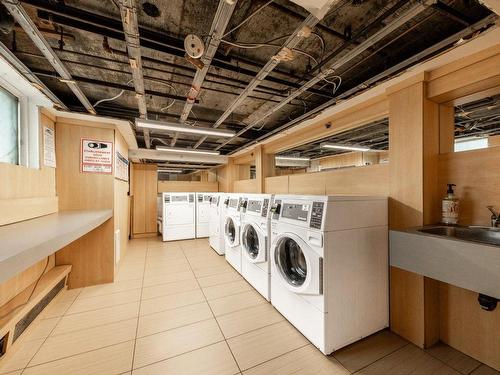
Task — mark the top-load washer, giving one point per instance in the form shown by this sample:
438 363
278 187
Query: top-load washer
233 206
178 216
202 214
329 266
216 223
255 243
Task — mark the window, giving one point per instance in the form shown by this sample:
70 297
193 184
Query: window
9 127
470 143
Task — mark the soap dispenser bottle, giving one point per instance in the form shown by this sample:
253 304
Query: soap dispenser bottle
450 207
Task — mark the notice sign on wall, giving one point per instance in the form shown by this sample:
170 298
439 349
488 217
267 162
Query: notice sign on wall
49 147
96 156
121 167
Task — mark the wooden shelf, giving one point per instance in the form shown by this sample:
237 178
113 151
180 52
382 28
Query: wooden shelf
26 243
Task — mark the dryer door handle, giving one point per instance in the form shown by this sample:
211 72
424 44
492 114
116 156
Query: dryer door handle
315 238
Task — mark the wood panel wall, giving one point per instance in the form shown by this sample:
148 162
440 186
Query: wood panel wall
91 256
26 193
477 176
187 186
145 191
121 200
246 186
368 180
351 159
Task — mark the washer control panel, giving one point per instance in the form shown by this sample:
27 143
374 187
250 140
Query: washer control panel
317 215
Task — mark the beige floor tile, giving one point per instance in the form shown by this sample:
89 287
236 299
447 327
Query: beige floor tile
99 302
304 361
19 355
39 329
453 358
214 359
248 319
172 301
170 288
256 347
240 301
408 360
68 294
221 278
485 370
369 350
69 344
176 341
165 320
55 309
223 290
164 255
198 264
114 359
116 287
209 271
167 277
94 318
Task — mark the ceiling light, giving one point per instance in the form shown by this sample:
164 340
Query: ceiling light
175 127
170 171
293 158
186 150
344 147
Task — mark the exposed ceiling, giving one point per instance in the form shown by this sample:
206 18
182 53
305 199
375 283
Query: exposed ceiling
88 37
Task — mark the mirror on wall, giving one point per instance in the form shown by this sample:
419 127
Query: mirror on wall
365 145
477 124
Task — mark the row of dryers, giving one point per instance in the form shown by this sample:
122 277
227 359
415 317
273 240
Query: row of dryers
182 216
322 261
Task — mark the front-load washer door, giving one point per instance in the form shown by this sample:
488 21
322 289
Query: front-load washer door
231 232
253 243
296 265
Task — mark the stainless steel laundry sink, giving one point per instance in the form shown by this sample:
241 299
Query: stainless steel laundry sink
486 235
468 257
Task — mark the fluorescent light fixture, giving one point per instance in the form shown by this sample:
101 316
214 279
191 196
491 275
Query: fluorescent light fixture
175 127
169 170
186 150
344 147
292 158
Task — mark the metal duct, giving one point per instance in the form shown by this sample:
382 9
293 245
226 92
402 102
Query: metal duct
378 36
23 19
30 76
293 40
219 24
128 11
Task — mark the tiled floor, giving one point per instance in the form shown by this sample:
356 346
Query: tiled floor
179 308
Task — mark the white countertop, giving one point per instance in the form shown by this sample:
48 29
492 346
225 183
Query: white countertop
27 242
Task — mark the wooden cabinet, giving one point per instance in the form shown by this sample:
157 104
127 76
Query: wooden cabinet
144 192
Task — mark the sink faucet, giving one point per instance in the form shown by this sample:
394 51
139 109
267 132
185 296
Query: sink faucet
495 217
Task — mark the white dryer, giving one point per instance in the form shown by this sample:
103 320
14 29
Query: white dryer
255 243
216 223
202 214
179 216
329 266
232 223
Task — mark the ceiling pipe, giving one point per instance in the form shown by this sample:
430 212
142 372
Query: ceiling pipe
333 66
30 76
299 34
128 11
485 22
23 19
222 16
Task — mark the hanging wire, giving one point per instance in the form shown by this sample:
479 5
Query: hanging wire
247 19
113 97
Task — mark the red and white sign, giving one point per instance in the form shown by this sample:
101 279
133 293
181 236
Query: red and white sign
96 156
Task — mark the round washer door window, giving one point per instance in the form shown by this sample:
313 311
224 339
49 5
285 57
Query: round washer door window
291 262
251 241
230 230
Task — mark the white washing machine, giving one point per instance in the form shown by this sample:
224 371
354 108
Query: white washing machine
216 223
329 266
232 222
255 242
202 214
178 216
